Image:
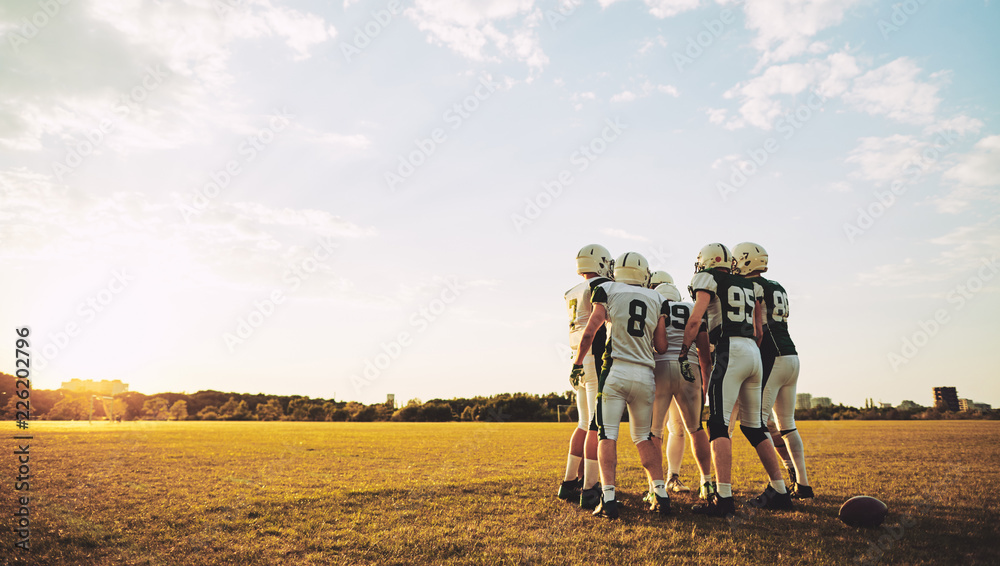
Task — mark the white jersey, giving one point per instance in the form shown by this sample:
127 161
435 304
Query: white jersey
579 308
678 313
633 312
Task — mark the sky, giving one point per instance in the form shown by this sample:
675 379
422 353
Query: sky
351 199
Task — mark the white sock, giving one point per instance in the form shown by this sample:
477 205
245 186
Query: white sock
788 464
591 473
609 493
675 454
659 488
779 486
798 453
705 479
572 467
724 489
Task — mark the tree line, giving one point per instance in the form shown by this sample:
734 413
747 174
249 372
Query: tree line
210 405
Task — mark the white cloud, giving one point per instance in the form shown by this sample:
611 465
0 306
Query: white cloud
619 233
577 99
716 115
229 243
759 103
895 91
470 27
652 42
662 8
103 50
976 177
647 88
883 160
952 257
785 28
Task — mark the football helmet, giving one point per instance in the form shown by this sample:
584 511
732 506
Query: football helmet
712 256
659 278
749 257
632 268
669 292
594 259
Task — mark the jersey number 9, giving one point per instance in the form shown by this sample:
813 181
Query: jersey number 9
740 305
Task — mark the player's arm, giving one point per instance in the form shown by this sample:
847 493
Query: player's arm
758 322
597 318
693 326
704 358
660 334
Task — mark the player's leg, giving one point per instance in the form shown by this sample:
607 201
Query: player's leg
675 448
590 495
611 404
775 496
572 480
784 409
640 411
661 404
728 374
591 469
690 403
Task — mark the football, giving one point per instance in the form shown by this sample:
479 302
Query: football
863 511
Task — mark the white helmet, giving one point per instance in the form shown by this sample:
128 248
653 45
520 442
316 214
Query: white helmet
632 268
594 259
659 278
749 257
669 292
712 256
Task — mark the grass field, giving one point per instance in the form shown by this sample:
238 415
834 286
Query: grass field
191 493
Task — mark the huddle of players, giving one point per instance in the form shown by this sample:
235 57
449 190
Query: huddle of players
650 353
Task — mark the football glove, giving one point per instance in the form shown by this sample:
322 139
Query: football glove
686 370
575 375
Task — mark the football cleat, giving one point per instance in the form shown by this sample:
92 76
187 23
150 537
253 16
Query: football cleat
802 492
660 505
649 497
716 507
591 498
569 490
791 474
607 509
594 259
771 499
707 490
749 257
677 485
632 268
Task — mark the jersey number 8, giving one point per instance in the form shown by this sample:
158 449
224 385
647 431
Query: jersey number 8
637 320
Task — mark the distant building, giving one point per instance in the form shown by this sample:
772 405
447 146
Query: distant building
884 405
908 405
964 404
821 402
803 401
946 398
982 406
102 387
390 400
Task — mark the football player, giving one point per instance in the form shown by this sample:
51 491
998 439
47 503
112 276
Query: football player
675 425
635 329
682 394
594 263
734 313
781 366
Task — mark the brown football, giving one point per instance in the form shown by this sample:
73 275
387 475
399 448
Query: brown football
863 511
